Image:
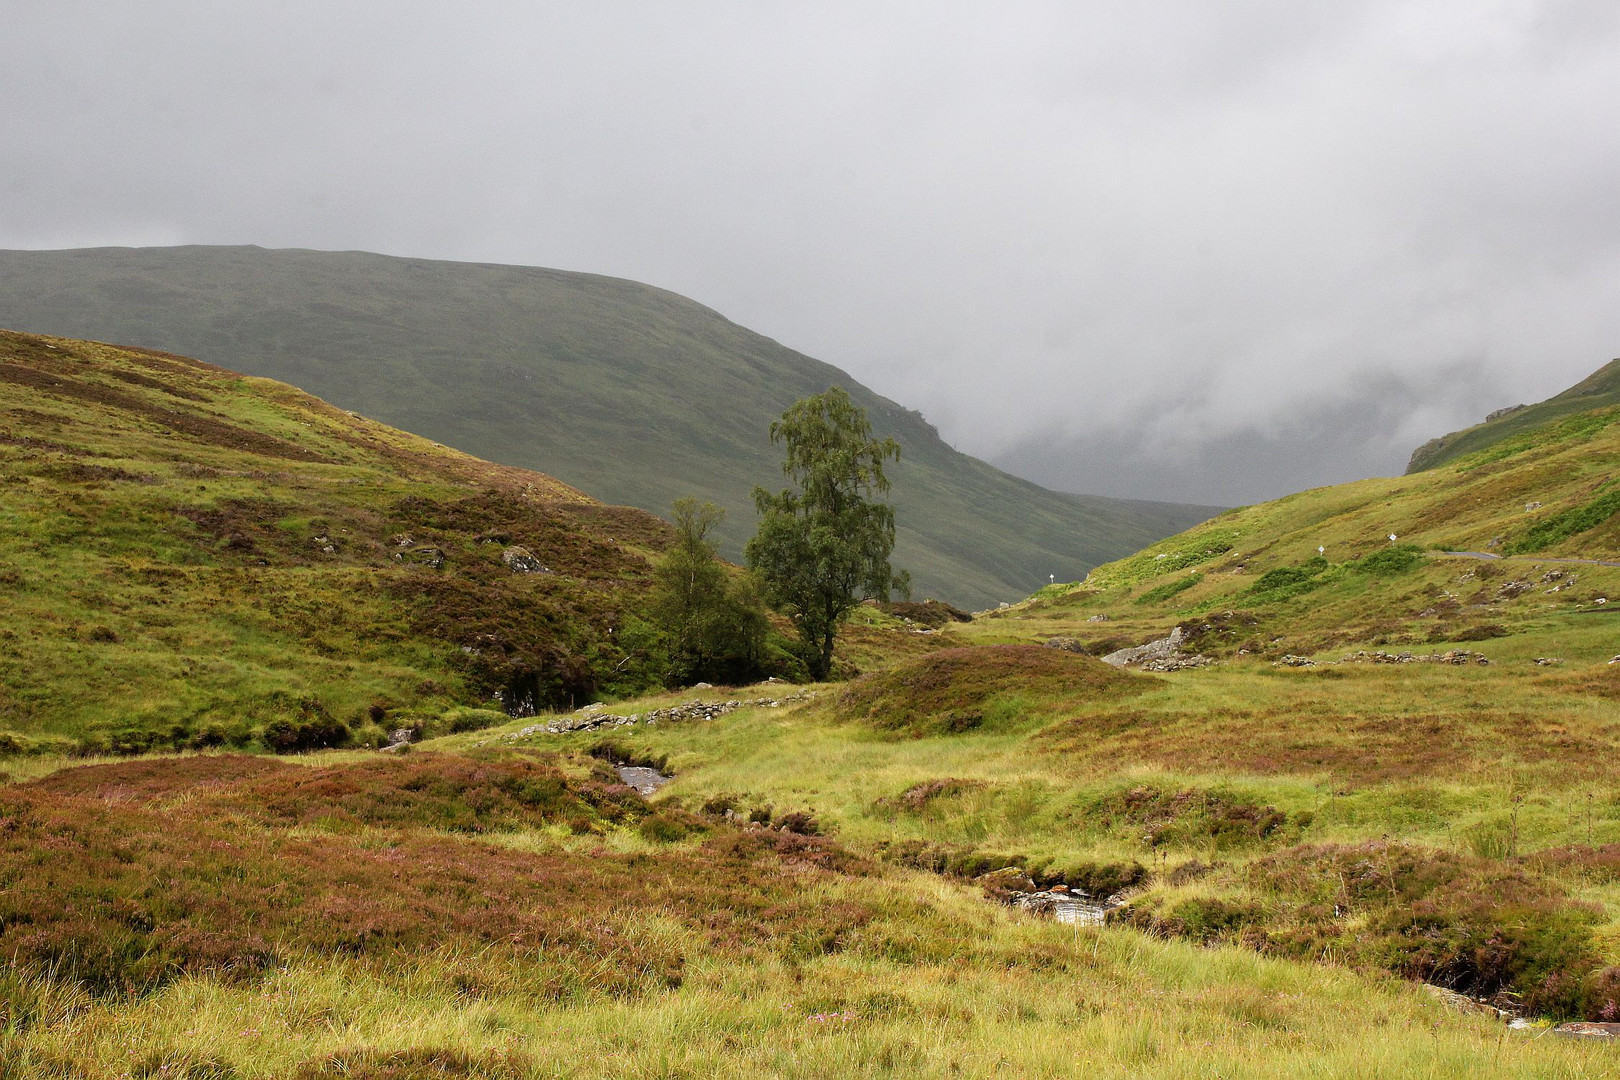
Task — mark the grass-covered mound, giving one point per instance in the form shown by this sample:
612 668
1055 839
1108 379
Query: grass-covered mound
190 558
981 687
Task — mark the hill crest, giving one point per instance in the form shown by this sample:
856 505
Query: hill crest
632 393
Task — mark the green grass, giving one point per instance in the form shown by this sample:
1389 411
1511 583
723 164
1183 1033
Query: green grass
631 393
210 558
1529 427
1294 848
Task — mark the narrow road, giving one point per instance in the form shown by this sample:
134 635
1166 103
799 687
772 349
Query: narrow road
1522 558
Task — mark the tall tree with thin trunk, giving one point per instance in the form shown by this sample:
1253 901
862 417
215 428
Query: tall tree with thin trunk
713 627
823 544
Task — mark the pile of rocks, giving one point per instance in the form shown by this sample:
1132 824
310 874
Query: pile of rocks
1290 660
593 717
1454 656
1164 654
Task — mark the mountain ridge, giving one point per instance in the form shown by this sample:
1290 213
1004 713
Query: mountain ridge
1600 388
630 392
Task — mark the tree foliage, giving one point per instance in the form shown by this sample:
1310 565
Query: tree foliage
823 544
713 626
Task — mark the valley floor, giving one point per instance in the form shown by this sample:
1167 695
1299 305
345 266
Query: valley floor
817 892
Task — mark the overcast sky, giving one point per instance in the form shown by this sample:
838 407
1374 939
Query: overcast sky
1196 250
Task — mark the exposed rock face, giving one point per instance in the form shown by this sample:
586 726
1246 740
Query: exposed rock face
521 561
1162 655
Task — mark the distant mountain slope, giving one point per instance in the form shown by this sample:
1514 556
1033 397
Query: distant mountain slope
1600 388
1362 564
631 393
189 556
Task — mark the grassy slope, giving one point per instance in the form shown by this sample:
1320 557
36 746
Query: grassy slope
631 393
1290 837
1601 388
1541 496
189 554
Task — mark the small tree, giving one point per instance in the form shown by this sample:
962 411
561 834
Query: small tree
824 545
712 627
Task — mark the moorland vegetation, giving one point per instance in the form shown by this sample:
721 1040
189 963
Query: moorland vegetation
1297 846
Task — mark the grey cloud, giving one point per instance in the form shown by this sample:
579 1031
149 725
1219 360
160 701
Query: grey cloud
1118 227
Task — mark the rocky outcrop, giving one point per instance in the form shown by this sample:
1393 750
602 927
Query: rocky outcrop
1164 654
520 560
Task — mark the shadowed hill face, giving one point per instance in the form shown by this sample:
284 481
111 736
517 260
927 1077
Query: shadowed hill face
634 394
192 557
1598 390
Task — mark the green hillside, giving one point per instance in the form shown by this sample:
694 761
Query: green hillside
1527 502
1270 853
631 393
1597 390
190 557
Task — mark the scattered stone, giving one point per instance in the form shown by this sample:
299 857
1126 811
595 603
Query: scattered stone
595 716
1003 606
1291 660
402 540
1513 588
1616 660
1162 655
1455 656
430 557
1066 644
1585 1029
1529 506
401 735
495 536
1098 618
520 561
702 686
1548 661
